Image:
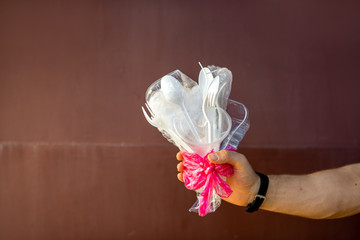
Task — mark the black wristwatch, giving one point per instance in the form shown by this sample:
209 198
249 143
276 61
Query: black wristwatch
260 197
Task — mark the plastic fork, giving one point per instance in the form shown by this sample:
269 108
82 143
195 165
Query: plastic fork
209 106
149 109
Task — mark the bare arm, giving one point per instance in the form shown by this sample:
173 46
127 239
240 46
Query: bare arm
332 193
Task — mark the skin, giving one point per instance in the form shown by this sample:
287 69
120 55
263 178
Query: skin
327 194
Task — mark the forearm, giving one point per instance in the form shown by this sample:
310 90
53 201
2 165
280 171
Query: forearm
331 193
326 194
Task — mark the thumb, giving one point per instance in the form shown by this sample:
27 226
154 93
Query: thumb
237 160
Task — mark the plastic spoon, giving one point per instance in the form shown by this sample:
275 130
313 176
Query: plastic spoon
174 92
205 79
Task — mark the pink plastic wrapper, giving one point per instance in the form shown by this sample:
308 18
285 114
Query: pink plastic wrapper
200 173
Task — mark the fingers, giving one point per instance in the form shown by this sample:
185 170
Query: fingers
235 159
180 167
179 156
180 177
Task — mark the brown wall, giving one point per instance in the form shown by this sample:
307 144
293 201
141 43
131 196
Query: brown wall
79 161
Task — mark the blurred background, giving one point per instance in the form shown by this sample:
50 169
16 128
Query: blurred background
78 159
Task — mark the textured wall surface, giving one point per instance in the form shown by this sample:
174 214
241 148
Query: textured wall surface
79 161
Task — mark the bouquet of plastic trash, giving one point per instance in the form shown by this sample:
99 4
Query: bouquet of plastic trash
199 118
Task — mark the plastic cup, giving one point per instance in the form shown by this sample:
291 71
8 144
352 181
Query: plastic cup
240 123
223 126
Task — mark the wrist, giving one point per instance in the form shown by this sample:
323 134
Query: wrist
260 197
270 195
254 189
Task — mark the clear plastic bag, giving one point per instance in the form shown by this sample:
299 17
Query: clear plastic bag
199 123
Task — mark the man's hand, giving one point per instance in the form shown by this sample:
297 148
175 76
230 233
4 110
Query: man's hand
332 193
244 182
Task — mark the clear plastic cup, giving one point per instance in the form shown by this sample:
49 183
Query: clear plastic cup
239 126
222 126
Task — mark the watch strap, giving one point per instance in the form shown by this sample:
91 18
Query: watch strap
260 196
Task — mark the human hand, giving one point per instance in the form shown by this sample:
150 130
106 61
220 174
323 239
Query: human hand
244 182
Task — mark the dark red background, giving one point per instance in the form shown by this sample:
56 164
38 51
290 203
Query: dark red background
79 161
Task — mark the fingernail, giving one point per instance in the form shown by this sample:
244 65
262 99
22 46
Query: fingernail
213 157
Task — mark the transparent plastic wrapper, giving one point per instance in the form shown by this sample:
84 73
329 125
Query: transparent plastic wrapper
240 124
199 119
